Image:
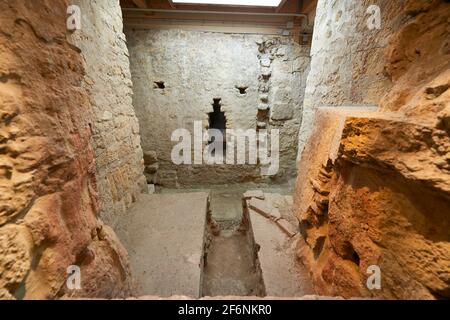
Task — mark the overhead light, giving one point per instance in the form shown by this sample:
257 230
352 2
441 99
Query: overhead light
258 3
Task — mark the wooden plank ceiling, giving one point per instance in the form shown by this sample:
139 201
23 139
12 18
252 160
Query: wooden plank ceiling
286 19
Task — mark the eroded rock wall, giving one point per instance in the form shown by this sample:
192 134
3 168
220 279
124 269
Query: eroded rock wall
347 58
377 194
177 74
48 196
117 146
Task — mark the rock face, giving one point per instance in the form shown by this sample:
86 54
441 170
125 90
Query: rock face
347 59
117 145
378 193
48 195
179 74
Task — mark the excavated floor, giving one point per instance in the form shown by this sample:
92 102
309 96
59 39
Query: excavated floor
173 252
164 237
230 269
283 274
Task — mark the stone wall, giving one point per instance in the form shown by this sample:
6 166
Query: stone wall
374 187
347 57
117 146
178 74
48 196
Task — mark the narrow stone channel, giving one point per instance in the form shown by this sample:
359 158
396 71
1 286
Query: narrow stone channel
230 264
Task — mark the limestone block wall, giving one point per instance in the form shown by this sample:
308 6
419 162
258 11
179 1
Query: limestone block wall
48 196
118 153
347 58
374 189
177 75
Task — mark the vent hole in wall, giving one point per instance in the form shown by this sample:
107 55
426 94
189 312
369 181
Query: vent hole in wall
218 120
242 90
160 85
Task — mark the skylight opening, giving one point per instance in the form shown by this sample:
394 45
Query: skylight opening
256 3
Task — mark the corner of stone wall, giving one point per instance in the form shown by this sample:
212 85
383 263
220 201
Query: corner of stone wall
49 226
363 200
116 134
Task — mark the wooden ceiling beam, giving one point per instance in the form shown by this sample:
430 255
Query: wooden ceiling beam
309 6
286 6
141 4
281 5
172 5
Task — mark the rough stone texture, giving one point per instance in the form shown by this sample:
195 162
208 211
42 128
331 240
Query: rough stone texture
48 197
240 275
347 59
274 206
262 207
281 273
260 82
117 145
285 226
322 146
417 61
379 193
186 298
258 194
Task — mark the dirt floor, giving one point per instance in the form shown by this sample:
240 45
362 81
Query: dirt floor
164 234
230 269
